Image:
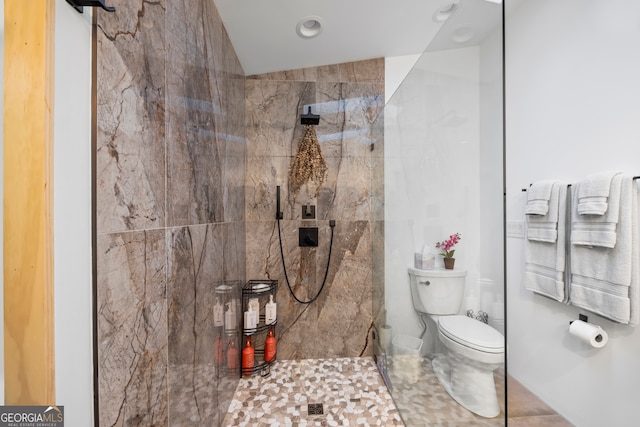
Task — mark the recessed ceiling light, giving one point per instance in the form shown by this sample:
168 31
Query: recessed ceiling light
444 12
462 34
310 27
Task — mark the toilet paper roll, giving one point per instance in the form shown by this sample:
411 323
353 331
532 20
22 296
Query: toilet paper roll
385 337
591 334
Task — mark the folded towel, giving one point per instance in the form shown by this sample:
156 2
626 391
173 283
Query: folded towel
544 228
538 197
605 280
594 193
545 245
597 230
634 286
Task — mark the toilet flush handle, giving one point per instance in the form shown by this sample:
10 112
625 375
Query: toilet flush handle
425 282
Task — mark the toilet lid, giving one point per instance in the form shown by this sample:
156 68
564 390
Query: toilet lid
472 333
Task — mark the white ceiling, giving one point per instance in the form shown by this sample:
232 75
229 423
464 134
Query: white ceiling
263 32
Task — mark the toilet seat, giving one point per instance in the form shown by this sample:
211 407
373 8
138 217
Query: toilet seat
471 333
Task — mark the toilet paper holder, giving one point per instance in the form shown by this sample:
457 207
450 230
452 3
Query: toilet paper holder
581 317
589 333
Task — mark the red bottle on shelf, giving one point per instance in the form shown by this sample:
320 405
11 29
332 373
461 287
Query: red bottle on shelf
270 346
232 356
248 358
218 351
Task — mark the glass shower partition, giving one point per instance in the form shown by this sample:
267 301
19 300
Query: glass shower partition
438 170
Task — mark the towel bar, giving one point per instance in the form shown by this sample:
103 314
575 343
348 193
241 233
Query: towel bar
634 178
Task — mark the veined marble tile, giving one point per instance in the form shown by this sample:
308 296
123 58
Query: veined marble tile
132 329
377 189
377 169
371 70
204 124
329 73
233 238
193 399
199 391
345 303
130 117
200 258
233 200
273 115
345 310
166 65
344 195
348 111
195 267
264 174
377 273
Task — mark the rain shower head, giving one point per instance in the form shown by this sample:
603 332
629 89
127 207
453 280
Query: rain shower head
309 119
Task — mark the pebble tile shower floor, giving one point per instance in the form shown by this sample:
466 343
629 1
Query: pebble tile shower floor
349 390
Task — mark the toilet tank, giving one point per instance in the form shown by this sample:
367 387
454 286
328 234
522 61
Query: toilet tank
437 291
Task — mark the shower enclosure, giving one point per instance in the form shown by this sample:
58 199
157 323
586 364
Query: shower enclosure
442 133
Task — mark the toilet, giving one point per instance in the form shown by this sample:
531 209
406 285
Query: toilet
475 349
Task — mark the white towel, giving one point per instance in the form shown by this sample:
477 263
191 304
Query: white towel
538 197
544 228
545 248
606 280
597 230
594 193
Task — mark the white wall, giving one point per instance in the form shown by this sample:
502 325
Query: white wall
431 173
491 180
573 108
72 214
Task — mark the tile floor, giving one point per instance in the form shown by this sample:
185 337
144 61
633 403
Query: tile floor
422 401
350 390
352 393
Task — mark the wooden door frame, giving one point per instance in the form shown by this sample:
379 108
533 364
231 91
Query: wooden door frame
28 203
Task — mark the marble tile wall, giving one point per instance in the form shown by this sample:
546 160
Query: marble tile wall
348 98
170 169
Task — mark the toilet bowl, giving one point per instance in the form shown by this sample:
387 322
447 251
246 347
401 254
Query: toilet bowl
473 349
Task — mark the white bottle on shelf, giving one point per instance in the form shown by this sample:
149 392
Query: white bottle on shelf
230 318
254 304
250 320
270 311
218 313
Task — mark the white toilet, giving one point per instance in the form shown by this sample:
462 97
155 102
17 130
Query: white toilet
475 349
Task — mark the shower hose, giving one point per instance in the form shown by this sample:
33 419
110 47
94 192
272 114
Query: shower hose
332 224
